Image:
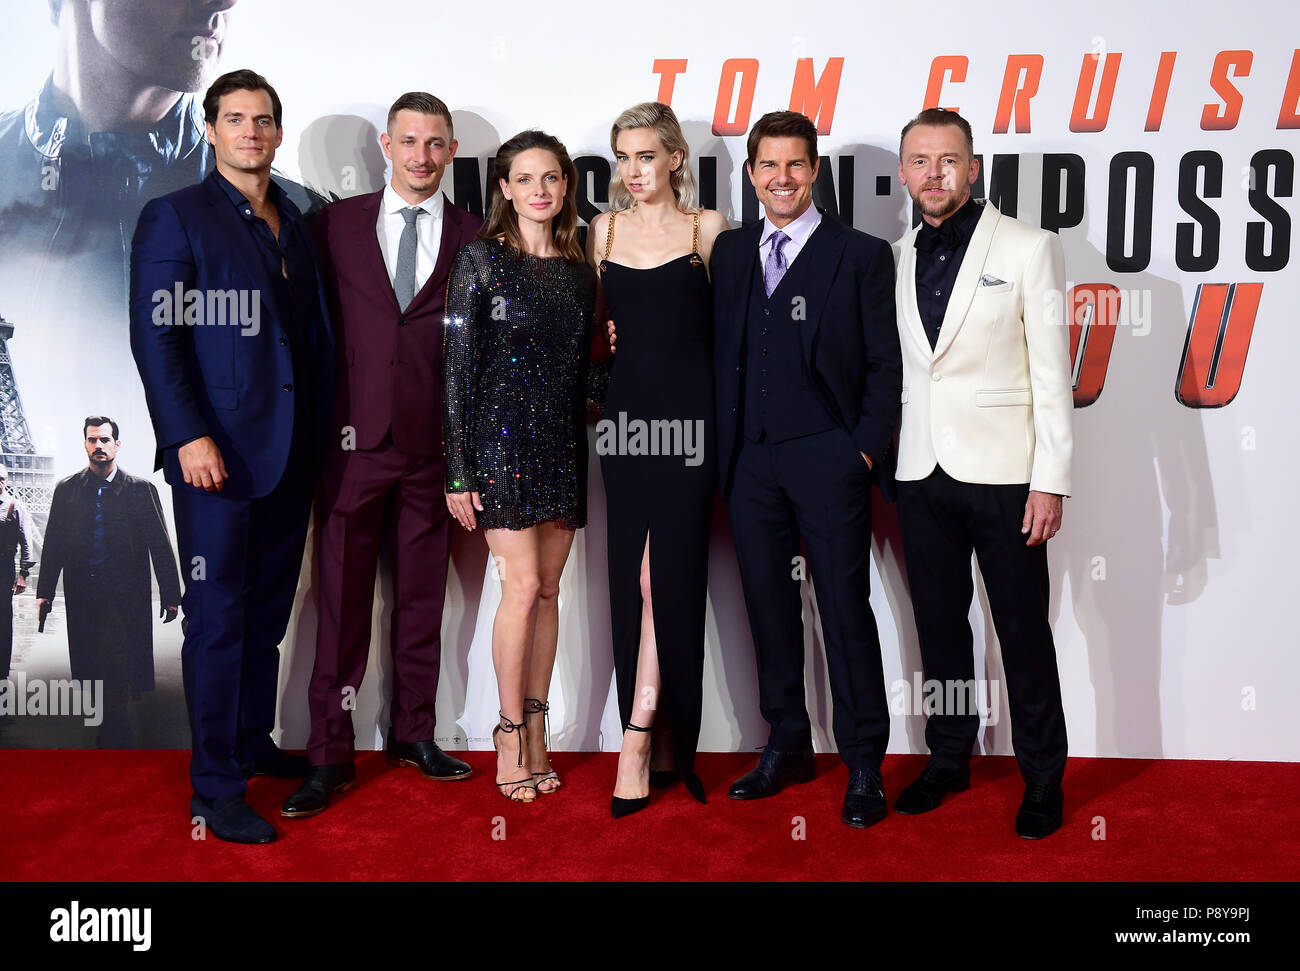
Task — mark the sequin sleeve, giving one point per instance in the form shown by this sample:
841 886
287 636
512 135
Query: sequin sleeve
460 365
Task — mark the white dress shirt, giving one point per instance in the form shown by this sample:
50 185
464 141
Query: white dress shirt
428 233
798 231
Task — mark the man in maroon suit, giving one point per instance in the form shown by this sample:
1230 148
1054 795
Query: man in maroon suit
385 257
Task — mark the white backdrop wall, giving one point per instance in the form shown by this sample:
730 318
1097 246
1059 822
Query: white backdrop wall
1171 577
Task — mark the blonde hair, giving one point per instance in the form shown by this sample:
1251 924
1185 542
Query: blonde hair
659 118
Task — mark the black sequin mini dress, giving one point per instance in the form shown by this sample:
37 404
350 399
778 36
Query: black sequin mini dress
517 343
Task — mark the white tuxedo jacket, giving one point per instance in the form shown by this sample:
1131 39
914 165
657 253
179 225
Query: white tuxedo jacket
992 402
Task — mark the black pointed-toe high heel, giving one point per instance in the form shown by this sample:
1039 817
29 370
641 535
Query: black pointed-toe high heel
619 807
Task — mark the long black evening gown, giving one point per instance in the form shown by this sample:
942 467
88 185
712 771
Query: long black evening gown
660 399
517 347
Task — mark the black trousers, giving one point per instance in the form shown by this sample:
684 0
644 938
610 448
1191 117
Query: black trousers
6 619
942 522
816 487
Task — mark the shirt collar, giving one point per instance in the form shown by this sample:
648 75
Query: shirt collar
240 202
965 219
393 203
177 134
798 231
94 481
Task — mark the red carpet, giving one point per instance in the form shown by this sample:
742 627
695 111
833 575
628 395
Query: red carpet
104 816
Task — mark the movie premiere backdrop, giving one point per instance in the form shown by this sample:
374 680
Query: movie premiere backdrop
1161 148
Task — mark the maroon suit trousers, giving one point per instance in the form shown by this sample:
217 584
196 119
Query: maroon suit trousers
369 497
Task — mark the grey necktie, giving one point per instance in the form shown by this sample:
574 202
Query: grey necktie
404 282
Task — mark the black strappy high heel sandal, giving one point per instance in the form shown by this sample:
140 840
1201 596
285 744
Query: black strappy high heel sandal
620 807
534 706
507 726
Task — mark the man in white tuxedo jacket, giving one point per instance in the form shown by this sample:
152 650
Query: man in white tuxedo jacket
983 458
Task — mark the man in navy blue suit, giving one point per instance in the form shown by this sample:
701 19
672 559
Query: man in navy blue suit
808 379
230 331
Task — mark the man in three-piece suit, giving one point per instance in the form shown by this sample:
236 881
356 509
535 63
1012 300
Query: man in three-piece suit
105 530
385 257
231 333
808 377
984 457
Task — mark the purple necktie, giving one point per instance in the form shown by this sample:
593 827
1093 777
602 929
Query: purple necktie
774 266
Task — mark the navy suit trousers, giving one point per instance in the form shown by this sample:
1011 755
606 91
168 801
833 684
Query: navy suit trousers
240 559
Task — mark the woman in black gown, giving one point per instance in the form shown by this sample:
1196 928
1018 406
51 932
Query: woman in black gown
520 306
656 444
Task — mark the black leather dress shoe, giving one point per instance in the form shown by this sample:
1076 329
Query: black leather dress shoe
1041 811
775 771
232 820
313 796
278 764
930 787
432 761
864 800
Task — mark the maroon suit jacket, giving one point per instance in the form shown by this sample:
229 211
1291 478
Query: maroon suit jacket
389 373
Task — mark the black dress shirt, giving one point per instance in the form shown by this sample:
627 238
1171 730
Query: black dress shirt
289 265
939 252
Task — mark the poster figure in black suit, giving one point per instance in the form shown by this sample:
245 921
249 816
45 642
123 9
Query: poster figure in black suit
105 528
15 541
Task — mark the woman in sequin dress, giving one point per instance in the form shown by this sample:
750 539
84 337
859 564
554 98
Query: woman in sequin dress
652 251
519 314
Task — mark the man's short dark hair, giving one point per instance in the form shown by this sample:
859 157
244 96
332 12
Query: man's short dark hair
94 421
782 124
241 80
425 104
939 116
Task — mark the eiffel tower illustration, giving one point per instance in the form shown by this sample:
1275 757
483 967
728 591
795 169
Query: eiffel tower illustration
31 476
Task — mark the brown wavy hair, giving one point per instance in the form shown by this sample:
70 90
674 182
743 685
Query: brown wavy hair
503 222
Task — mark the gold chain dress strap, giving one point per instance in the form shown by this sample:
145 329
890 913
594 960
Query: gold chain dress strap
609 235
695 243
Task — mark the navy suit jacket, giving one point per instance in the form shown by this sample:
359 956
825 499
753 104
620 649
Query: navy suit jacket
848 335
221 379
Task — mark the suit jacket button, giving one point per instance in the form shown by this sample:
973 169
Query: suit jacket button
401 321
287 387
733 411
283 341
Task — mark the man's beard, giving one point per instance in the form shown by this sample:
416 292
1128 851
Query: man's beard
950 204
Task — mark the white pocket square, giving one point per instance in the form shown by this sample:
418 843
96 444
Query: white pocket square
990 281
